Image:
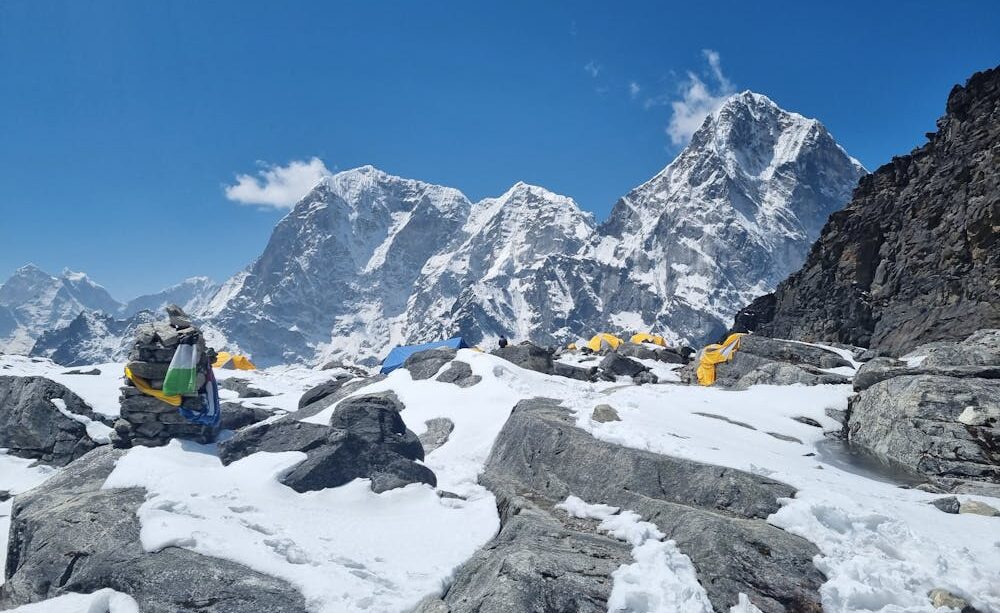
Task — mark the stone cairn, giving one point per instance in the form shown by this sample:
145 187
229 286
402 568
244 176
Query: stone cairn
149 421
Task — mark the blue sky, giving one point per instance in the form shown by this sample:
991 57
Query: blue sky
122 123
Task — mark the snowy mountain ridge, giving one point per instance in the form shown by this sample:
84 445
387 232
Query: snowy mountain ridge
368 260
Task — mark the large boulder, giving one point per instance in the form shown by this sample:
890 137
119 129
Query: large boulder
323 390
945 427
365 439
528 356
32 426
783 373
244 388
70 535
542 560
621 366
425 364
460 374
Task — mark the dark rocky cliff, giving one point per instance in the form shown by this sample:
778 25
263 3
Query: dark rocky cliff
914 257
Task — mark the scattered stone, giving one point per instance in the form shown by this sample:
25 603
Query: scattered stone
781 373
32 426
425 364
574 372
244 388
604 413
460 374
450 495
976 507
621 366
948 504
5 495
323 390
77 371
437 433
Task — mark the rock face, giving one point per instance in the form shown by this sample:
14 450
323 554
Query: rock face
365 439
941 417
914 257
412 262
544 561
32 426
54 550
244 388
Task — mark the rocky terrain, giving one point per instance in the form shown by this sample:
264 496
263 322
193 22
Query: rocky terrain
530 480
914 257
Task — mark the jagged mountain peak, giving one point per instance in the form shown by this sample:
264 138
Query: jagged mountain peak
367 186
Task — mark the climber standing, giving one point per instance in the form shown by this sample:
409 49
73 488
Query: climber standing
502 342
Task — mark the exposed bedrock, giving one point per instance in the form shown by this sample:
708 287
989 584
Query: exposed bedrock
543 560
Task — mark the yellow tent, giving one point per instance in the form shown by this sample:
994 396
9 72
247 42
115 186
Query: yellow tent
716 354
602 340
232 361
645 337
571 346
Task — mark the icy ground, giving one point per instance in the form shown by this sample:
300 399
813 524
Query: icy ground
882 547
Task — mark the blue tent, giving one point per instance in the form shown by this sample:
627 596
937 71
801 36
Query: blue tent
398 355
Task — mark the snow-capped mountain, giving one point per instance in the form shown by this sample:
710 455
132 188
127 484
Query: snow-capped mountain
91 338
733 215
368 260
192 295
33 301
341 264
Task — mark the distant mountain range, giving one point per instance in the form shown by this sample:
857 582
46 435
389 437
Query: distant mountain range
368 260
74 320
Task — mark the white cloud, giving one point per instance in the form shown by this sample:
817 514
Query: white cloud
698 99
593 68
633 89
278 186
